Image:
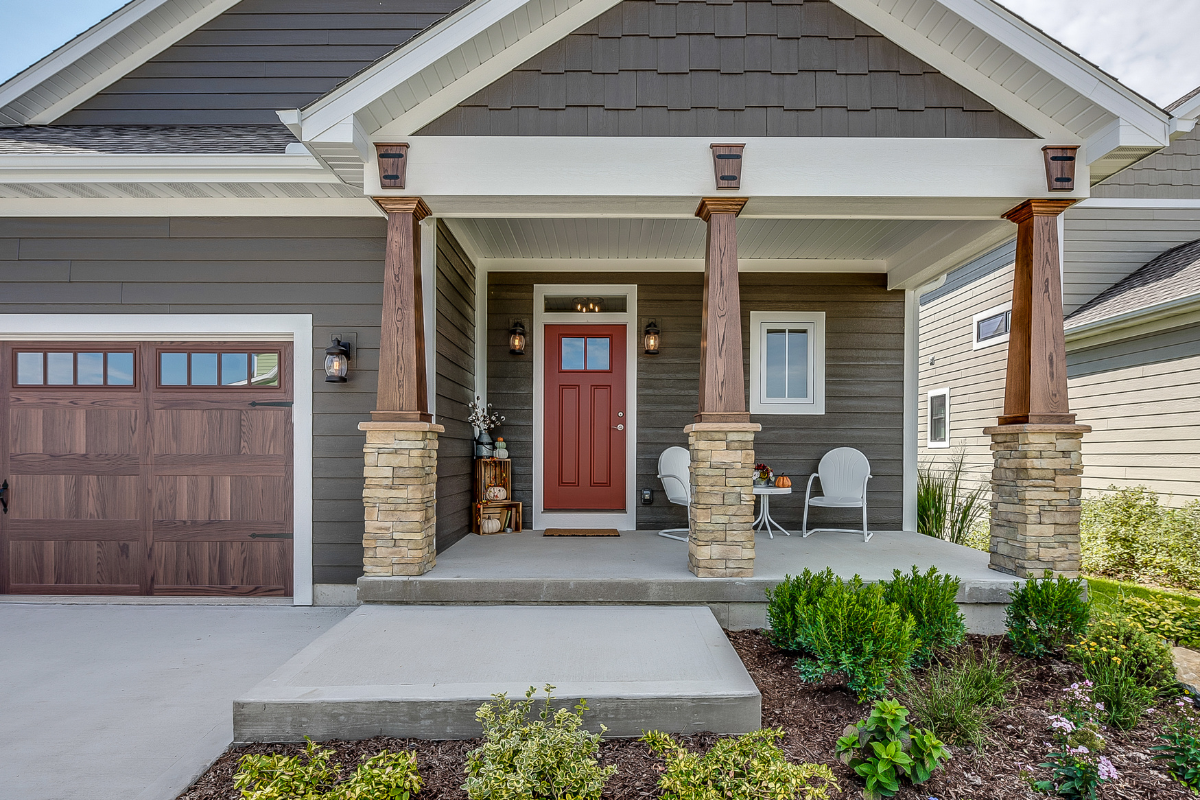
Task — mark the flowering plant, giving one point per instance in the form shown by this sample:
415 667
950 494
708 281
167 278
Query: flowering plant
763 473
482 417
1182 748
1076 766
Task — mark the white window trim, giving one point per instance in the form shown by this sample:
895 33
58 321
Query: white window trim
943 392
621 520
758 405
991 312
213 327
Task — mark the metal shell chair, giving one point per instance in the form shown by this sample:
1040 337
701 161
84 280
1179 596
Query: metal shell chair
674 470
844 473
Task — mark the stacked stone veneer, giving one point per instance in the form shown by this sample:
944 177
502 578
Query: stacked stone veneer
399 497
1035 498
720 532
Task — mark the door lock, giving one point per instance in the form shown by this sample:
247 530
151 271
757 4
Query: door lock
618 427
4 496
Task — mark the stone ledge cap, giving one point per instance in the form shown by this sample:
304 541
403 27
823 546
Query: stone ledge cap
401 426
1037 428
725 426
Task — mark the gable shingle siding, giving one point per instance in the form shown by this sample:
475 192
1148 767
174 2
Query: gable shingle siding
1171 173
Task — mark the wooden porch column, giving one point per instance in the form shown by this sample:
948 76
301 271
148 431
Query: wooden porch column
722 377
402 395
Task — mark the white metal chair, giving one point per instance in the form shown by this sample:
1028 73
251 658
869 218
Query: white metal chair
674 470
844 473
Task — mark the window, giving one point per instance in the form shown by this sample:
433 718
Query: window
991 327
74 369
589 353
787 362
227 370
938 424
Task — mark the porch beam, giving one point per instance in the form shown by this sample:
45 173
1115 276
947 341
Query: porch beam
722 376
402 395
1035 387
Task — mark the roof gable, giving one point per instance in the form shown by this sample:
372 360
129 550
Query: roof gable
744 69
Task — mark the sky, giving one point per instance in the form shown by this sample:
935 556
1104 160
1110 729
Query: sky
1148 44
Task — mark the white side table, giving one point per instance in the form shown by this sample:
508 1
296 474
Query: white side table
764 521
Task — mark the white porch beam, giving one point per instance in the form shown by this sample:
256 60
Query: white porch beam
677 265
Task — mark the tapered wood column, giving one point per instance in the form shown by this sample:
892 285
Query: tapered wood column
1035 388
402 395
722 376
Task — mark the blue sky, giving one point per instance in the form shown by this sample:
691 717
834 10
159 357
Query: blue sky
1148 44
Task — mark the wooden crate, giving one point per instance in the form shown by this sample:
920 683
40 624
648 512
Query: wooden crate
492 472
507 511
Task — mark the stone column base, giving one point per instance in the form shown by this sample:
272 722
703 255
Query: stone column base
720 532
399 497
1036 483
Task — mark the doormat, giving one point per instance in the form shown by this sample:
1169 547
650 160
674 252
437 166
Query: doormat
581 532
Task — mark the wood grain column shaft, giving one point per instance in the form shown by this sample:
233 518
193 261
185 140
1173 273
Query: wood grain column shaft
402 394
1035 388
722 376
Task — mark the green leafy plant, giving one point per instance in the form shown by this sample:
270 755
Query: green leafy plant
946 508
747 767
1182 749
1127 667
1076 767
1046 614
548 757
1164 618
958 697
786 599
929 599
884 749
384 776
1128 534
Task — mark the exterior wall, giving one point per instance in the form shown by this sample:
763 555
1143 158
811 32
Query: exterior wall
330 268
1173 172
864 381
756 68
260 56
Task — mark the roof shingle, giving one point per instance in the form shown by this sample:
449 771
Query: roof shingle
1173 275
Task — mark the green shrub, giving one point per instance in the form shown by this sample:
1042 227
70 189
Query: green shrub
946 509
1182 748
884 749
1127 667
1046 614
1128 534
1164 618
957 698
384 776
550 757
746 767
929 599
785 601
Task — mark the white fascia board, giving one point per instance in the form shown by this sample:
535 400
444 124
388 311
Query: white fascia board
1115 135
189 207
1138 202
85 168
1161 316
99 56
656 265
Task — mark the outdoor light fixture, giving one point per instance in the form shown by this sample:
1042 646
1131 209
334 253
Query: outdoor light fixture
337 361
652 339
516 339
588 305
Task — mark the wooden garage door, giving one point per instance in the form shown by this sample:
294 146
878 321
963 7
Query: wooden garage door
146 468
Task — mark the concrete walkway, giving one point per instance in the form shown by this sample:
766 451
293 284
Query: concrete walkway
131 702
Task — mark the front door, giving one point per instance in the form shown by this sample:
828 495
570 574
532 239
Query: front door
586 424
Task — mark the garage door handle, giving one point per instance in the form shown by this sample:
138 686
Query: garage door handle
280 404
4 496
270 536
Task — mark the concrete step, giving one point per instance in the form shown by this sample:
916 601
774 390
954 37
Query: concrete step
423 671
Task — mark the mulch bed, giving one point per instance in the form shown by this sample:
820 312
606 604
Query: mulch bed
813 717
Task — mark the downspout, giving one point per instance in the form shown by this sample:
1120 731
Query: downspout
912 368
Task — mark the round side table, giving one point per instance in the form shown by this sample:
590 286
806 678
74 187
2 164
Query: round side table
764 521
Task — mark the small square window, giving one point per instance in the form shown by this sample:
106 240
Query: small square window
787 362
30 369
938 423
991 327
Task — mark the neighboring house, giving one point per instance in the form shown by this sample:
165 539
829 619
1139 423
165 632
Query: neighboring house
1131 297
193 204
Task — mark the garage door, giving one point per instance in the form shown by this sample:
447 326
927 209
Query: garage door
157 468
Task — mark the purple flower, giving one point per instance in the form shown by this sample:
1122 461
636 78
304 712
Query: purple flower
1061 724
1078 751
1106 770
1099 706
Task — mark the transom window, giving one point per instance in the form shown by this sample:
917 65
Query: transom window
586 353
100 367
787 363
991 327
221 369
938 426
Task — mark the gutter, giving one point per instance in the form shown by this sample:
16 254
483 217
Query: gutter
1130 319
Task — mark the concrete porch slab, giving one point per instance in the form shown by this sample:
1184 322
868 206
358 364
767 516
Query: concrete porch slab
424 671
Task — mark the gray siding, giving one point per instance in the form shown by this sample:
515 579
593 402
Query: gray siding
757 68
330 268
455 386
1173 172
864 380
259 57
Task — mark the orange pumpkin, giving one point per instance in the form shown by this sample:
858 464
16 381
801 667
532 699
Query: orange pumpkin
783 482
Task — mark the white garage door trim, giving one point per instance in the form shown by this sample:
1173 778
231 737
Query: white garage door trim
212 327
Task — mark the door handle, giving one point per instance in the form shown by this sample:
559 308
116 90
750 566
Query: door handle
4 496
618 427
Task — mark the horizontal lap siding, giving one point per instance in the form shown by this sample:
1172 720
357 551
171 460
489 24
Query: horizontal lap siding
864 380
330 268
455 386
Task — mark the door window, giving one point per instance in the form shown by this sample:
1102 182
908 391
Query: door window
218 369
69 368
586 353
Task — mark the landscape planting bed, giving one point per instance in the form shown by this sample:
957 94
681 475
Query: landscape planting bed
813 716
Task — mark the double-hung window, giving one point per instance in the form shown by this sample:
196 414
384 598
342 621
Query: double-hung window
937 425
787 362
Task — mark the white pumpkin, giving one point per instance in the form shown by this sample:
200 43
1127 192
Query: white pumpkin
496 493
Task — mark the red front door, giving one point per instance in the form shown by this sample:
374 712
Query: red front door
586 423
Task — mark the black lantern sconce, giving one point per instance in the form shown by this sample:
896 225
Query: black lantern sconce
652 339
516 339
337 361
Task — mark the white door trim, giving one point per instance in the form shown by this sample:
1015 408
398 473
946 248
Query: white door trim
621 520
214 327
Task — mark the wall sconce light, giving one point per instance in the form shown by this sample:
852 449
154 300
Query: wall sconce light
516 339
652 339
337 361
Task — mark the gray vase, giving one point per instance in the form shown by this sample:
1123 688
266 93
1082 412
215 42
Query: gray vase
483 445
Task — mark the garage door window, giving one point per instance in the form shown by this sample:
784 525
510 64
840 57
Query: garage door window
65 369
218 369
